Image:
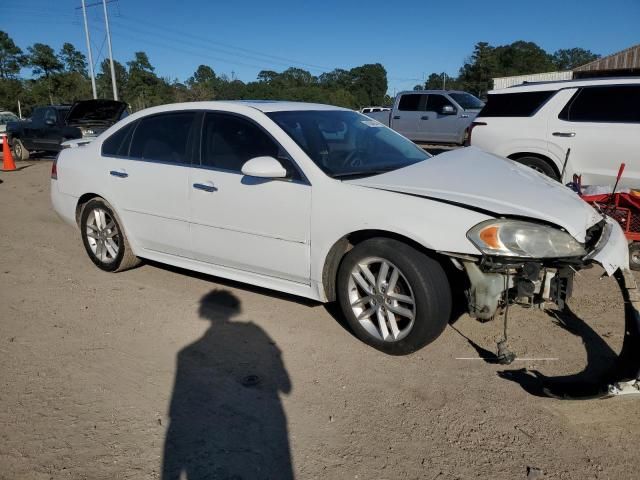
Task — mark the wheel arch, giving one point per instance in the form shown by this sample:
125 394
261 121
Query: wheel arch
547 159
343 245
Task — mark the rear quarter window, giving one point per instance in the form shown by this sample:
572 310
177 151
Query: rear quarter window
521 104
616 103
117 145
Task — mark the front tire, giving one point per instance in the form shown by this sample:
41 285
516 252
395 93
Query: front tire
19 151
394 297
104 239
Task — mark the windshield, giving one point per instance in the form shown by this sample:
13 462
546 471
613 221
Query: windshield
348 144
467 101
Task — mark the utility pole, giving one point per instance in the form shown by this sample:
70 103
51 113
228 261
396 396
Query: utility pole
86 32
113 70
444 81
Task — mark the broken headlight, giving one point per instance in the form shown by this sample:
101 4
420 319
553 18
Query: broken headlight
515 238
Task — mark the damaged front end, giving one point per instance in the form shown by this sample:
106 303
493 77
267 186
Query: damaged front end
495 283
509 272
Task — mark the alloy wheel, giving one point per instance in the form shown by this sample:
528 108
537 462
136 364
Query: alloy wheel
103 235
382 299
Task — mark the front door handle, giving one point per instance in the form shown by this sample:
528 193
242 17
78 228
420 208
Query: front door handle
204 187
119 174
464 115
424 117
396 117
564 134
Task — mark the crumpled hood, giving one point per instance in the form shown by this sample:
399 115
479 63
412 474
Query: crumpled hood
470 176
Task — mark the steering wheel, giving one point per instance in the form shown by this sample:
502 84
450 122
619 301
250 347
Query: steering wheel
353 159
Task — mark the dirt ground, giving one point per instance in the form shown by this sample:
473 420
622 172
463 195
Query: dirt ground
99 371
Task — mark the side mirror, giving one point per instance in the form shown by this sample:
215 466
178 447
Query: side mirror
264 167
50 122
448 110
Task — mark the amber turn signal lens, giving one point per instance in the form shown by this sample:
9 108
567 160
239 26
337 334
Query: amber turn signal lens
489 236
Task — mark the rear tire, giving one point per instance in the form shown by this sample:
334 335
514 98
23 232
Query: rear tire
634 256
398 308
539 165
104 239
19 151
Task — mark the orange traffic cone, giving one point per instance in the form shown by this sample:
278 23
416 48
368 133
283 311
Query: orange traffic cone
8 165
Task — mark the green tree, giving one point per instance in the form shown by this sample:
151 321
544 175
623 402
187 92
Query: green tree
43 60
521 58
570 58
103 79
11 57
369 84
144 88
479 69
73 60
203 84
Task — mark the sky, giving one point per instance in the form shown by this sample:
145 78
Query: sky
240 38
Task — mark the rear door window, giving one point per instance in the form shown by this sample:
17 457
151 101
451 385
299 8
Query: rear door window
617 103
412 102
521 104
164 138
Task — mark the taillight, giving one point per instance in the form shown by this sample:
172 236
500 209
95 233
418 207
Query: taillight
54 168
470 130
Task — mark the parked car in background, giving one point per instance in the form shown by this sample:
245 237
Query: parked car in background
535 124
6 117
52 125
436 116
326 203
374 109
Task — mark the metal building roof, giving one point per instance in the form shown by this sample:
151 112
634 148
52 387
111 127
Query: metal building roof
623 60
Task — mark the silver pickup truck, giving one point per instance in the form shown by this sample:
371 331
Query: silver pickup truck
437 116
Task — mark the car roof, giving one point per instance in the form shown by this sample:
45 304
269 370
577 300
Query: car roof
558 85
281 106
265 106
431 91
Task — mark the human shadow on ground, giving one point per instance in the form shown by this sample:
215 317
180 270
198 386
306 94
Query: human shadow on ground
226 418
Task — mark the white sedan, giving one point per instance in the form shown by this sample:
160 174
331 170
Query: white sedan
326 203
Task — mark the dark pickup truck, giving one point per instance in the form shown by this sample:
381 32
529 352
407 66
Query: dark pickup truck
49 126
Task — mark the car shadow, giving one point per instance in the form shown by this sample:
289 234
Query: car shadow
234 284
226 417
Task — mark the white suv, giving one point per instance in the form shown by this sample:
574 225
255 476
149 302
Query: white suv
535 124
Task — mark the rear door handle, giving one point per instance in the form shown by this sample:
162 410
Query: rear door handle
564 134
118 174
204 187
396 117
424 117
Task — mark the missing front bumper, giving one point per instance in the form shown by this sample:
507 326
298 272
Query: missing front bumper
496 282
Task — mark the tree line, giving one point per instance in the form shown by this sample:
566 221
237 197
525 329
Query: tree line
61 77
518 58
